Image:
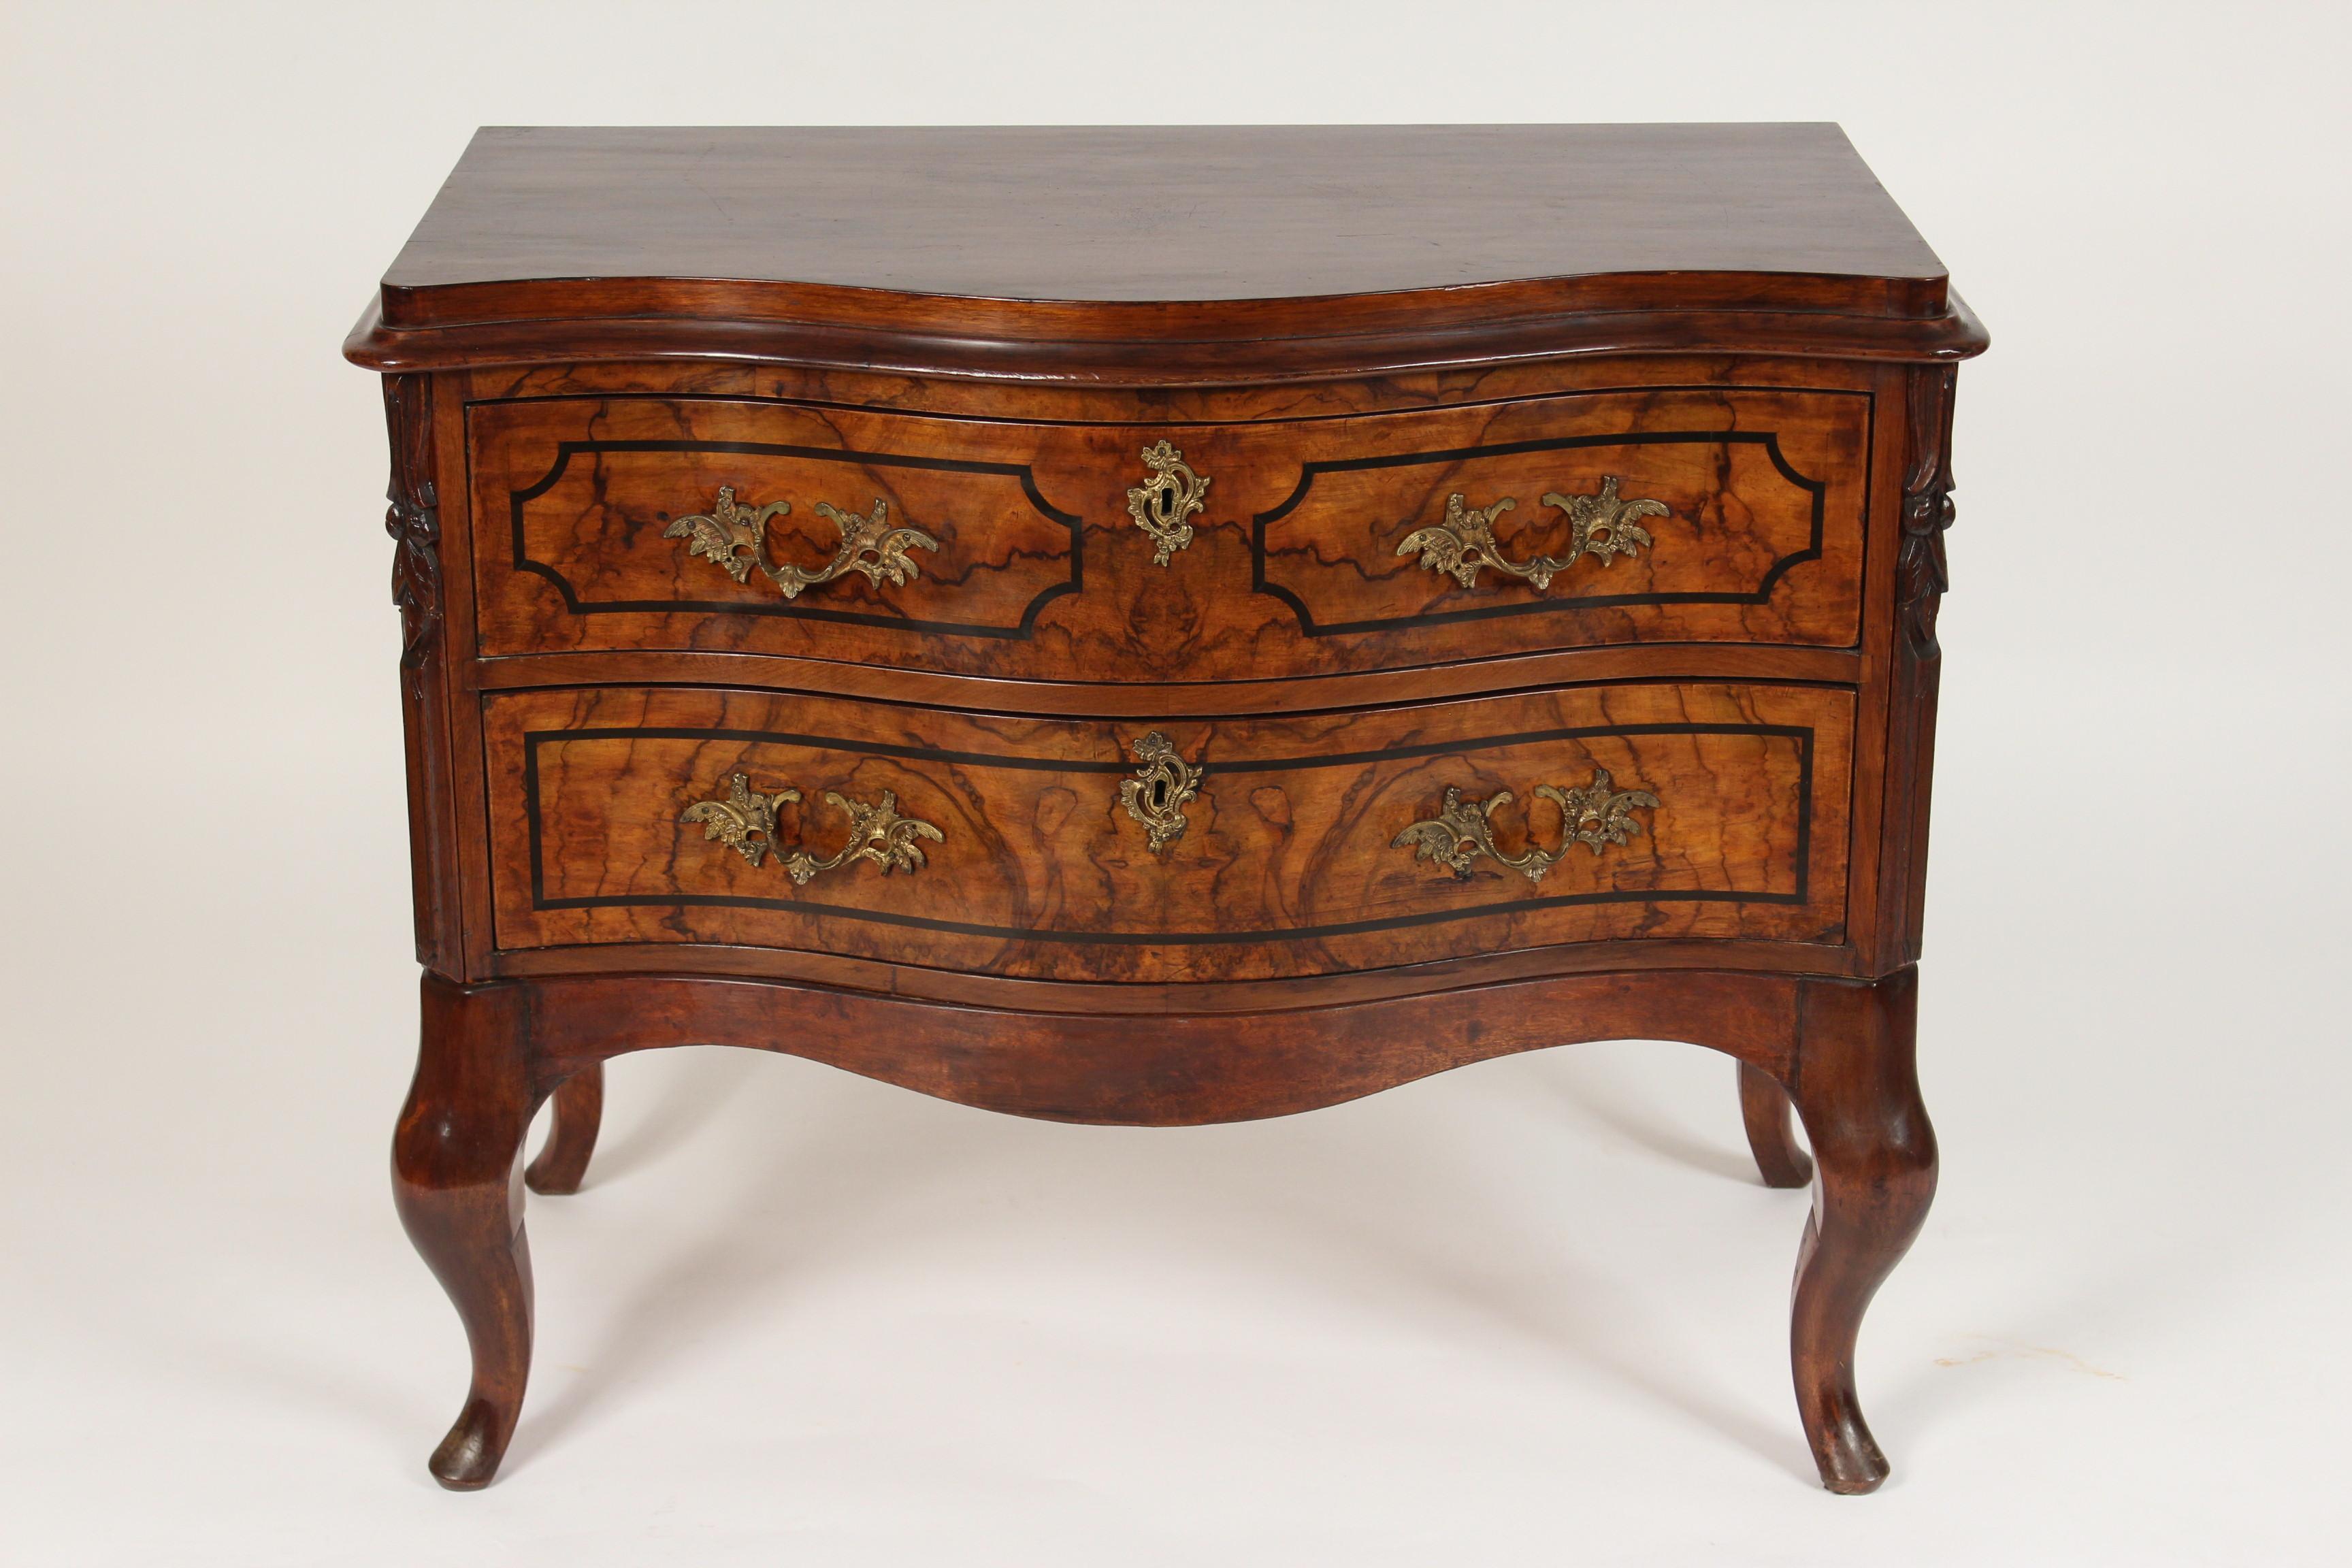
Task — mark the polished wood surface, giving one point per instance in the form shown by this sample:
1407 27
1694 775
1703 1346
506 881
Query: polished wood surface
1730 321
1183 1070
1261 399
1920 579
1842 1050
583 491
1760 542
578 1112
1294 566
1159 256
1094 348
457 1178
1154 214
1765 1111
1855 1083
413 521
1289 864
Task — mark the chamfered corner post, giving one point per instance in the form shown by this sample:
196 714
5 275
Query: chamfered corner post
1855 1083
456 1179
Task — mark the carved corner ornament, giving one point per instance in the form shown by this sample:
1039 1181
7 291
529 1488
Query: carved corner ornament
1595 815
734 538
746 823
1921 574
1603 526
1161 503
1163 785
413 521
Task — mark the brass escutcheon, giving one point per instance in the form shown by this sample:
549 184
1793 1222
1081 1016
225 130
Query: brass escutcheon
1161 503
1162 786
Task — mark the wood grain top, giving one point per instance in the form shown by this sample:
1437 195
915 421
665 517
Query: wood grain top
1159 212
1167 256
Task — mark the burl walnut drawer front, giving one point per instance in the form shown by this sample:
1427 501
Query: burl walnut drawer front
1198 850
662 524
1142 552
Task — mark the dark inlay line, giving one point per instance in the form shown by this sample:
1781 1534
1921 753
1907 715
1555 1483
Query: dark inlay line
791 610
533 740
1308 626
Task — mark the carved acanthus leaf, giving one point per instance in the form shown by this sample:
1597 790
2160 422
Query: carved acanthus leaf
1921 574
413 521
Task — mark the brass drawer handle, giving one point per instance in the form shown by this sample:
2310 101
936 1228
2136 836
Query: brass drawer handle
1161 503
1600 526
869 544
1597 814
1161 788
746 821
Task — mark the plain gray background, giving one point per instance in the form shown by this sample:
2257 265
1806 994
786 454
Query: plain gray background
1529 1312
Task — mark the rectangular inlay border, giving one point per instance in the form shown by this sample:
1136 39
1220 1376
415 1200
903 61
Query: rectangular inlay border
533 739
791 610
1763 593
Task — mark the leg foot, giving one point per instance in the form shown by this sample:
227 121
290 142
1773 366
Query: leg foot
1856 1085
454 1179
1771 1132
579 1109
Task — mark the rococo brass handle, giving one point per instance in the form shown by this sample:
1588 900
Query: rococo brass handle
1161 503
869 544
746 821
1599 813
1600 526
1165 783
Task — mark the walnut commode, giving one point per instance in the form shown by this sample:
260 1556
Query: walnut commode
1355 601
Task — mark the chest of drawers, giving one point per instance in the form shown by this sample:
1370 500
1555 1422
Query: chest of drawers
1164 627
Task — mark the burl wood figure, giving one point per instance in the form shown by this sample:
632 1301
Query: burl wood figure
1164 626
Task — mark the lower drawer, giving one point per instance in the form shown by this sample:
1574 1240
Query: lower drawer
1185 850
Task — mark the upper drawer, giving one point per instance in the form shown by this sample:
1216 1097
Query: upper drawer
1061 552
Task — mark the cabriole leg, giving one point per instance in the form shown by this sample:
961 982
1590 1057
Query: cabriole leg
1771 1129
455 1178
1856 1085
579 1109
